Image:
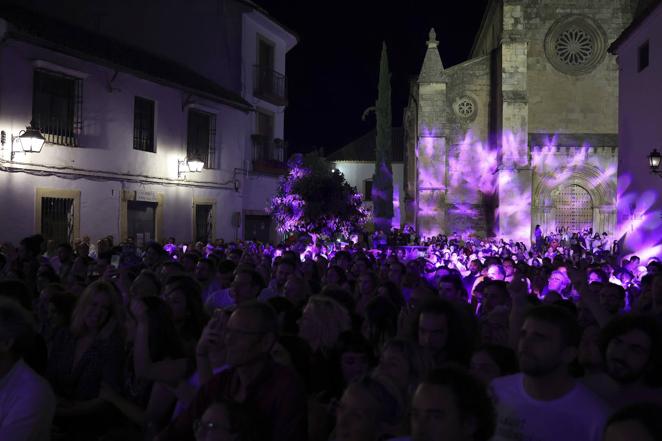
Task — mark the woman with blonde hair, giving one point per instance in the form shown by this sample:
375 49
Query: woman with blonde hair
322 322
85 357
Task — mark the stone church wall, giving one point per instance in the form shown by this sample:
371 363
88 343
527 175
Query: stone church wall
575 100
468 101
483 124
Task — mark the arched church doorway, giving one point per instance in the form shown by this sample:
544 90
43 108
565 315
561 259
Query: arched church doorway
573 207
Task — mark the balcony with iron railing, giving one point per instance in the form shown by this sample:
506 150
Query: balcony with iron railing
269 85
269 155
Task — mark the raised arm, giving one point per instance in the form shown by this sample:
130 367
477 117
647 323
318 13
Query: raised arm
166 371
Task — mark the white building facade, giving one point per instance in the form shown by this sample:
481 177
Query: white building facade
639 52
356 161
121 120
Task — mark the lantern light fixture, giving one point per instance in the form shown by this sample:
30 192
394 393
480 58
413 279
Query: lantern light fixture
654 162
192 164
29 140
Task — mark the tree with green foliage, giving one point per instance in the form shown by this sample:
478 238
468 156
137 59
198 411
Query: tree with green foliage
382 186
316 200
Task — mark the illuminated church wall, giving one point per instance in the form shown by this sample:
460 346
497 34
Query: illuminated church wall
525 130
640 117
468 104
572 106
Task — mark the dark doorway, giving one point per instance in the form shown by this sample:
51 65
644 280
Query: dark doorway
257 228
141 220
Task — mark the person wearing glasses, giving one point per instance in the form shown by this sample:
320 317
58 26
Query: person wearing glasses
274 392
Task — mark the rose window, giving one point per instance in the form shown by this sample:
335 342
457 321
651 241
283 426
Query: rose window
465 108
575 45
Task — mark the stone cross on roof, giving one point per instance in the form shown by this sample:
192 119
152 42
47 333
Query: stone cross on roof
432 39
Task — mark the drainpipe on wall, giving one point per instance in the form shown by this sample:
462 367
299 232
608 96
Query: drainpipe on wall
3 41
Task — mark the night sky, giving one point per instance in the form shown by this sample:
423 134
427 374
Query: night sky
332 72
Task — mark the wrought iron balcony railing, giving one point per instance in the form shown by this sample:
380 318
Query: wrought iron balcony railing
269 85
269 155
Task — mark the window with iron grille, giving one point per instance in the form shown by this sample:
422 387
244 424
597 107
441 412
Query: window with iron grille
203 222
143 125
265 124
57 103
57 219
263 142
257 228
201 137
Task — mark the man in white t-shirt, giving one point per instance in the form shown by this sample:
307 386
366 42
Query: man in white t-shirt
27 403
544 402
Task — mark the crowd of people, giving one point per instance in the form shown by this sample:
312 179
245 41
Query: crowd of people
443 339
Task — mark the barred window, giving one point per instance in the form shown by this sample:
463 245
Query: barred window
143 125
204 222
57 219
201 137
57 103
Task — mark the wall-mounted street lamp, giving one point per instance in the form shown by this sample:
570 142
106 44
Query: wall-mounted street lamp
191 164
654 162
195 165
29 140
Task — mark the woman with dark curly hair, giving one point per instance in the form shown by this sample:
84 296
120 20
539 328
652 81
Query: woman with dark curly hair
380 322
184 296
392 292
153 353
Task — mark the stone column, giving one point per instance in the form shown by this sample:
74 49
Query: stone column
515 175
604 219
431 189
431 147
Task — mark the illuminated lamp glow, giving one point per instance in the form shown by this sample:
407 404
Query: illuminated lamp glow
654 160
30 140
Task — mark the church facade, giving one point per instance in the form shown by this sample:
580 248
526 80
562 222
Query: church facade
525 132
